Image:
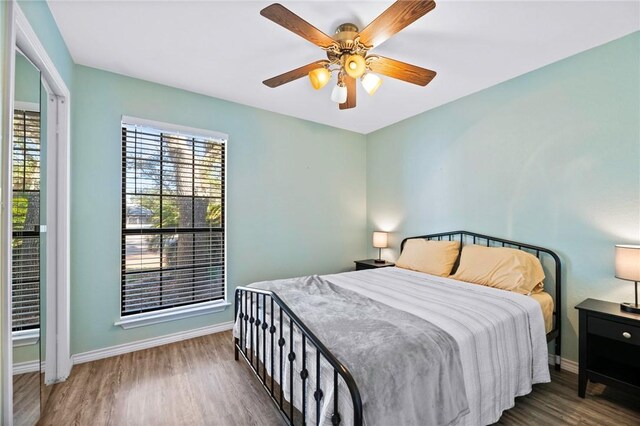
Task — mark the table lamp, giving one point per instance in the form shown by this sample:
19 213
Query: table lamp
379 242
628 268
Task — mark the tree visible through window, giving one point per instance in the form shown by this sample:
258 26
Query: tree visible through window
172 219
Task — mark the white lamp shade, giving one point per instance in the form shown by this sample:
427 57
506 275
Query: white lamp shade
339 94
380 239
371 82
628 262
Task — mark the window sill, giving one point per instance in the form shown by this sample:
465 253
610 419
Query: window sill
25 337
171 314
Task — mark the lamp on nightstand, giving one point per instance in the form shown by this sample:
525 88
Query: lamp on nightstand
380 242
628 268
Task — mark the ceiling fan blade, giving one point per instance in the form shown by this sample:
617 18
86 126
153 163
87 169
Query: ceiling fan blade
400 70
292 75
289 20
350 82
395 18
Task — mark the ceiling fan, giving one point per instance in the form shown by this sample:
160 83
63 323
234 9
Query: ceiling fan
348 51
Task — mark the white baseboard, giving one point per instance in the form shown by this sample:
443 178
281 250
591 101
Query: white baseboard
28 367
565 364
149 343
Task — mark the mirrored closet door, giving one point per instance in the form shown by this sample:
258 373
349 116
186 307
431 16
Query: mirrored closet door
27 243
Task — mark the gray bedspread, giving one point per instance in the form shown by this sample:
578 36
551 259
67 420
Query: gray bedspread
407 369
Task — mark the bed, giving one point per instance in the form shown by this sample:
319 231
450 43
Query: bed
397 346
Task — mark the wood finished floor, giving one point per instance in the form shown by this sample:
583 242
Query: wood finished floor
197 382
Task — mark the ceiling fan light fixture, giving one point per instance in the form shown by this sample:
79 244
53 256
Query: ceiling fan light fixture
371 83
348 51
355 66
319 77
339 93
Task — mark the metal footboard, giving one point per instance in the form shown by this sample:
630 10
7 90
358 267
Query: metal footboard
266 334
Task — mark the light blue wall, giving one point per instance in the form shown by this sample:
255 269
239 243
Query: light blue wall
550 158
27 78
296 196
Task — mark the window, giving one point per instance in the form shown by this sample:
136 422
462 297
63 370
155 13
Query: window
173 217
25 278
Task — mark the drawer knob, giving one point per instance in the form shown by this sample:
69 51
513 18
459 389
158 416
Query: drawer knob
626 335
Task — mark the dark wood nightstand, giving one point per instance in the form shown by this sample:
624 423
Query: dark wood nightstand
371 264
609 346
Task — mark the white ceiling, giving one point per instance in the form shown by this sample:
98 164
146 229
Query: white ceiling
226 49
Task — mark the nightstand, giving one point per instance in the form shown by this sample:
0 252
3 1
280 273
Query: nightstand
371 264
609 346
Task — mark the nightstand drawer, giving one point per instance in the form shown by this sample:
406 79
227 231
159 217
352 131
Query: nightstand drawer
614 330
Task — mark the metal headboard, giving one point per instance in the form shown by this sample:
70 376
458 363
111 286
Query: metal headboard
489 241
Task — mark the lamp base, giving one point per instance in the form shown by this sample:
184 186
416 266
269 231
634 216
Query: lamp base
379 261
630 307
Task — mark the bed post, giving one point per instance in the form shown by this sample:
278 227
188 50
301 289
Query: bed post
236 341
558 318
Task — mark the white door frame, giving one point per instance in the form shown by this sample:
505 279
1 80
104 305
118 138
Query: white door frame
58 359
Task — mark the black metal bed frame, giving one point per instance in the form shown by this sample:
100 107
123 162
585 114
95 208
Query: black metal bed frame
254 322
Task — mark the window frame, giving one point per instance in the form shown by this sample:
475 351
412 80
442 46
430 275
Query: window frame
188 310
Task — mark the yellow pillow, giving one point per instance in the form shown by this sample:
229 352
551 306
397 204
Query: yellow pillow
500 267
431 257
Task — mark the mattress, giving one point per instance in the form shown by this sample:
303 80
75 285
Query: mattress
546 305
